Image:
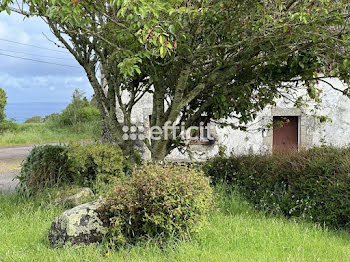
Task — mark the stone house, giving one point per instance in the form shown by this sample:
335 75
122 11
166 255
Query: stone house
301 129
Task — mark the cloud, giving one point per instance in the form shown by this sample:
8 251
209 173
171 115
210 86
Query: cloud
3 29
32 31
42 89
26 81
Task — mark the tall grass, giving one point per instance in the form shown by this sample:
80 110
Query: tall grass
49 132
235 232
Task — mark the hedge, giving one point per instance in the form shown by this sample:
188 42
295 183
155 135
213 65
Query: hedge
313 184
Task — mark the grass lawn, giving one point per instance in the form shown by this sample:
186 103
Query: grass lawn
235 232
44 133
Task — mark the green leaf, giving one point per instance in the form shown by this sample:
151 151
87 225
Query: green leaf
138 70
162 52
161 39
172 29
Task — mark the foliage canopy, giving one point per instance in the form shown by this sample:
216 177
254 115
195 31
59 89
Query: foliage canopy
201 60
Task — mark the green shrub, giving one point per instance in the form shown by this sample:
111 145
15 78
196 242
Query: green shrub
8 126
45 167
312 184
91 165
158 201
3 101
52 119
96 165
89 114
80 110
5 125
35 119
71 115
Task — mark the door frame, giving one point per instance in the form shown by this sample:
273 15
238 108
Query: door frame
305 126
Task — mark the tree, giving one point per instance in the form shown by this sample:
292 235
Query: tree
34 119
202 60
78 101
78 111
3 101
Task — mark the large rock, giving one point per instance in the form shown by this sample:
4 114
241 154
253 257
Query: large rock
80 225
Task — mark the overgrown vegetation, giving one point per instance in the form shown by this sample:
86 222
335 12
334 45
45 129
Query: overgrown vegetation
39 133
97 165
80 110
80 120
157 201
3 100
312 184
234 232
164 204
160 201
8 126
35 119
52 166
45 167
5 125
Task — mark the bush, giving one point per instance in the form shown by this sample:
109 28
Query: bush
79 111
45 167
35 119
71 115
158 201
8 126
3 101
312 184
92 165
54 117
96 165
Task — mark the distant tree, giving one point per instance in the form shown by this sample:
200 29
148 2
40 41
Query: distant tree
35 119
79 110
52 117
5 125
3 101
78 101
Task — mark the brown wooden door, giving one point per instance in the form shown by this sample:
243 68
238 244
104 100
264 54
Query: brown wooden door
285 133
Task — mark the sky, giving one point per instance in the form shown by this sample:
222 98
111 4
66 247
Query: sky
29 81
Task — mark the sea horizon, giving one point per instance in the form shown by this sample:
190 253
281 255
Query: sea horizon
19 112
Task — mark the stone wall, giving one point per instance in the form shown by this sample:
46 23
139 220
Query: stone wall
258 139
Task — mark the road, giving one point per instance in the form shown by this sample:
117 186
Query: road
10 161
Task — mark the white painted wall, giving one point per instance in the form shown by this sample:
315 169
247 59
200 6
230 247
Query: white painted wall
337 133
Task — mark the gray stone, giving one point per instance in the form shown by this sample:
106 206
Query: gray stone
80 225
79 198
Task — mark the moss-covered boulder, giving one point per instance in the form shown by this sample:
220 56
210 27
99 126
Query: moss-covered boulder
80 225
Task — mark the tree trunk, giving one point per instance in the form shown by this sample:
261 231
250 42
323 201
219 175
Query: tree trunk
106 136
111 134
159 151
